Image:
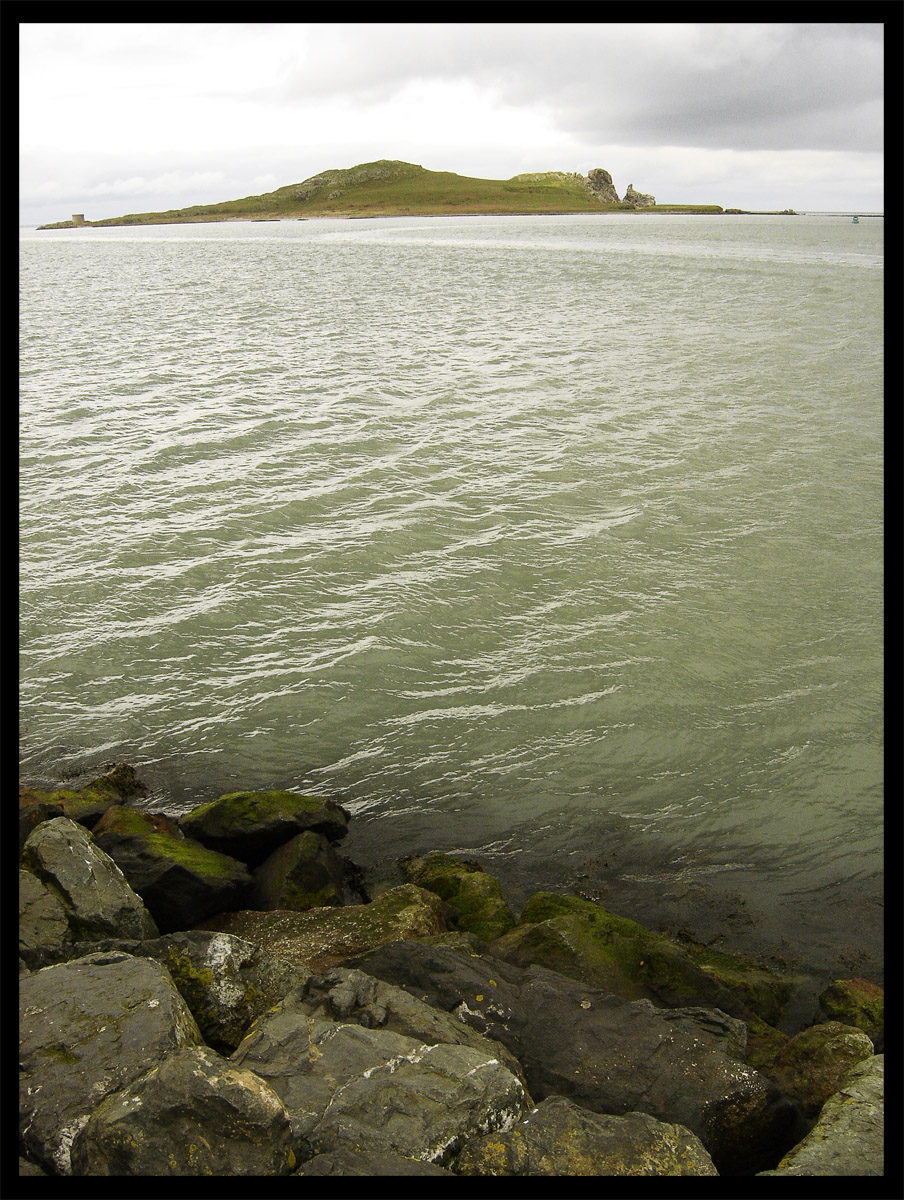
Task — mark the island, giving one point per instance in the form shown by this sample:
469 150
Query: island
389 188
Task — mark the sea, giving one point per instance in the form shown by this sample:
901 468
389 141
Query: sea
552 541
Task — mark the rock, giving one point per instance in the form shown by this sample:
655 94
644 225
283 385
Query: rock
350 1087
89 1028
600 183
35 814
226 982
607 1054
303 873
323 937
98 899
477 898
305 1060
849 1135
859 1003
639 199
560 1138
422 1104
814 1063
89 803
249 826
582 939
44 935
180 881
351 996
193 1114
355 1162
29 1168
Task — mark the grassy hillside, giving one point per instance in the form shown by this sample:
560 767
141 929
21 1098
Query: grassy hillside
387 189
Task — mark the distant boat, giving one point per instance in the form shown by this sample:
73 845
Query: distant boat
855 221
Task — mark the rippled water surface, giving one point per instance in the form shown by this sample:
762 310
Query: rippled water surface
498 529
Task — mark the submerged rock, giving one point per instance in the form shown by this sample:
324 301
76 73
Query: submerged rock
560 1138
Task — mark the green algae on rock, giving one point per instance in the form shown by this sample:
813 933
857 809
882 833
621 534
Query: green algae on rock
859 1003
250 825
87 804
180 880
463 884
324 937
582 939
304 873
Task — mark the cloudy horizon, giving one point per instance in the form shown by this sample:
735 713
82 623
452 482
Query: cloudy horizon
118 118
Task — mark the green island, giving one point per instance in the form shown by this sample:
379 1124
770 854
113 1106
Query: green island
388 188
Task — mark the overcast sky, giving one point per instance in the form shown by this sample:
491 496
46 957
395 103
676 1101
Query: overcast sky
119 118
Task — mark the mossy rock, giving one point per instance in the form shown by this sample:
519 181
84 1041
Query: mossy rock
322 938
89 803
136 822
764 1045
251 825
814 1064
475 895
304 873
584 940
859 1003
226 982
180 880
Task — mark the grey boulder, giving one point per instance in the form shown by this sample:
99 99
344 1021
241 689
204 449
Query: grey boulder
348 1087
193 1114
560 1138
88 1028
98 899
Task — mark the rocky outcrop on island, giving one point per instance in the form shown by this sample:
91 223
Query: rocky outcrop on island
600 184
638 199
308 1028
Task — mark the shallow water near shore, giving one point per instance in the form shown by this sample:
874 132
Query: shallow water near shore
553 540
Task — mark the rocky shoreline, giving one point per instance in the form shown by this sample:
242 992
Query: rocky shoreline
229 994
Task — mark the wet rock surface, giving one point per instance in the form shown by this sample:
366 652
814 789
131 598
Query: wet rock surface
387 1036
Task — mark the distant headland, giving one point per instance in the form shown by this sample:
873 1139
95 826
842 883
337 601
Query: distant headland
388 188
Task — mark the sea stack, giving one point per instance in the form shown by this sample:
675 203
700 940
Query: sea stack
600 183
638 199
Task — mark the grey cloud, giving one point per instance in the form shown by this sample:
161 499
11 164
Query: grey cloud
768 86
